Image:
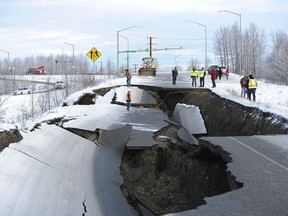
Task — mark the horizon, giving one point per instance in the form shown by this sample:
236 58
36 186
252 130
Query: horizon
33 28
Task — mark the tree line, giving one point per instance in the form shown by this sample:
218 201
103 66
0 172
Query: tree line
56 65
260 57
248 50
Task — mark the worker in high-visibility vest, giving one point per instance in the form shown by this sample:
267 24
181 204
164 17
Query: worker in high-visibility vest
202 77
252 85
194 75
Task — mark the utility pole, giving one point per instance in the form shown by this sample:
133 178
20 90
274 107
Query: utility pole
135 66
150 46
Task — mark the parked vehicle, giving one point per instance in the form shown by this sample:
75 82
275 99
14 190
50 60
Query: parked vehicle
212 66
21 91
148 67
60 84
223 68
36 70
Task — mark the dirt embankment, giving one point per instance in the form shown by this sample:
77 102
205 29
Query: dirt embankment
10 136
174 176
222 117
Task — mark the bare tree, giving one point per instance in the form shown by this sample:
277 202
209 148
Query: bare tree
193 63
254 44
110 68
277 61
227 48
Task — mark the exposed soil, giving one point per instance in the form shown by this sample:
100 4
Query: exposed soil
10 136
223 117
174 177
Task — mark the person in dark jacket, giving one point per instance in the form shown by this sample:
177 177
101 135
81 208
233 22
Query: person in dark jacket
202 77
174 75
243 83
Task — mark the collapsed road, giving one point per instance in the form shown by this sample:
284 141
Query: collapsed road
150 161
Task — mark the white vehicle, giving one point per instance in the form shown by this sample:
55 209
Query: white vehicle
60 84
21 91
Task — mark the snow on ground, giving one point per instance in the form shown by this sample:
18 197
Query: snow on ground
269 97
272 98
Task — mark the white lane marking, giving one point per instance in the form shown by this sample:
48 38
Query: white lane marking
262 155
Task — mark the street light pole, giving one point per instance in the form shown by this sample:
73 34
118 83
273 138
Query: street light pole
175 59
7 60
73 57
240 59
127 50
118 43
205 41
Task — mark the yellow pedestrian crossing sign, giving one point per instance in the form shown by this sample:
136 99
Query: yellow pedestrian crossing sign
93 54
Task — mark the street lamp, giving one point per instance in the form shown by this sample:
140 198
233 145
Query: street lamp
127 50
118 43
175 59
73 57
7 59
240 65
205 41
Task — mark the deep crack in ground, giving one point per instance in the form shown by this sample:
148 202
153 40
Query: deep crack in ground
171 178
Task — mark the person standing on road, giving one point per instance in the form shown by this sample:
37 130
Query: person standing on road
174 75
194 75
128 99
202 77
128 76
252 85
213 77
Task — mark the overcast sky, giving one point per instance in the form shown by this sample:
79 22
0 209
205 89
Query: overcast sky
35 27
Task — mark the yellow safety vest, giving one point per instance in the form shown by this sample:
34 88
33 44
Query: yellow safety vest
252 83
194 73
202 73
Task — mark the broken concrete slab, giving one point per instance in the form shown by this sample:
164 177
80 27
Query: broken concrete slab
140 139
60 172
190 118
115 139
184 135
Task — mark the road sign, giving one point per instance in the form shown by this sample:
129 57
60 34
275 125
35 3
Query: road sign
93 54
